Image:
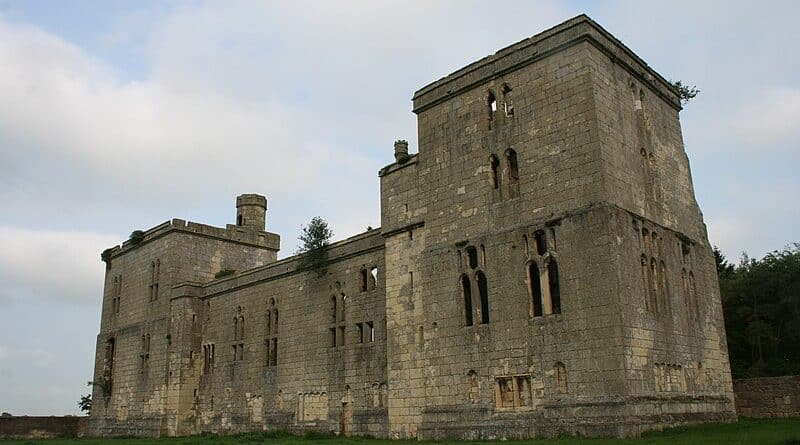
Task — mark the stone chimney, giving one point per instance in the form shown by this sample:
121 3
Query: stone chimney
401 151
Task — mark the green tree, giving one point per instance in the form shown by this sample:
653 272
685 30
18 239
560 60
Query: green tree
85 404
313 251
761 303
685 92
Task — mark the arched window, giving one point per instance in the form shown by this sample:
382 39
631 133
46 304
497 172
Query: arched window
333 309
344 307
240 220
541 242
268 320
235 328
491 105
513 167
466 296
483 290
646 283
561 378
527 247
654 284
535 288
494 164
508 106
275 324
693 295
663 286
555 286
241 326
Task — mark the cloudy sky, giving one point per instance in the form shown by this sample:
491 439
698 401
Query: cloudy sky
117 116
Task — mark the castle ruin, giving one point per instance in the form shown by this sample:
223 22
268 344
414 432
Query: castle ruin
542 267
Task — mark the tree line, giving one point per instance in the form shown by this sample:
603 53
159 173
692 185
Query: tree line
761 304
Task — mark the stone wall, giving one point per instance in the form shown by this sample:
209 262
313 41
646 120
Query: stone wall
35 427
768 396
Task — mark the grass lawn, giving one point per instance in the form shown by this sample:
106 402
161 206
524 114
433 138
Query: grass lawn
746 431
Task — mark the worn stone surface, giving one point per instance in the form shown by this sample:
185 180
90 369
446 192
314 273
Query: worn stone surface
542 268
768 396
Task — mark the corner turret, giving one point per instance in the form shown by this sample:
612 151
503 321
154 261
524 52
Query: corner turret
251 212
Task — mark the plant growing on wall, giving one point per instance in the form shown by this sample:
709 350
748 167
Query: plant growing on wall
224 273
104 383
685 92
315 238
136 236
85 404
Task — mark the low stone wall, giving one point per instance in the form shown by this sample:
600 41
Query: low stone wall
768 396
25 427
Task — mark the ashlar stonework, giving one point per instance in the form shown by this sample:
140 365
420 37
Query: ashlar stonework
542 268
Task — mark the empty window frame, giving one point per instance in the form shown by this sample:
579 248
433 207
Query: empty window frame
494 174
491 105
370 333
363 280
508 106
540 240
373 277
535 289
483 291
512 166
472 257
555 286
466 297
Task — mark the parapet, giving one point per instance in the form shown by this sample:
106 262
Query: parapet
251 199
232 233
360 244
573 31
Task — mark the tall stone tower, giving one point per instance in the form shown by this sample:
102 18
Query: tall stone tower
546 259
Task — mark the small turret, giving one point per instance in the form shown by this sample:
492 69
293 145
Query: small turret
251 212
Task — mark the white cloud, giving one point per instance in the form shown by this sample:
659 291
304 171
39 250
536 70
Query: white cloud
3 353
52 265
766 120
41 358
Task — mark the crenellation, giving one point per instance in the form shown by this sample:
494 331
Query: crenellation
542 268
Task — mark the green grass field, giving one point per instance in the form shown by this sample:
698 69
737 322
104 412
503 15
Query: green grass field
746 431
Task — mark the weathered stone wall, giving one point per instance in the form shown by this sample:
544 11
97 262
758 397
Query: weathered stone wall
768 396
310 383
676 353
136 321
37 427
553 100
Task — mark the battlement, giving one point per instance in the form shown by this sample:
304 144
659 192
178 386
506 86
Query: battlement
558 38
231 233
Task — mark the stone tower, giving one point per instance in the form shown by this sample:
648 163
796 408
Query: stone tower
546 258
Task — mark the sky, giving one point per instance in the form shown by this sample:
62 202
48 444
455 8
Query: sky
117 116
